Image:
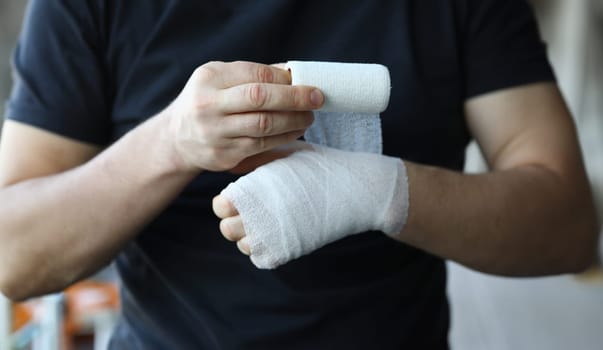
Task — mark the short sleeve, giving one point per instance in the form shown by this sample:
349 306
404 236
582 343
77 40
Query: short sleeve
502 46
59 79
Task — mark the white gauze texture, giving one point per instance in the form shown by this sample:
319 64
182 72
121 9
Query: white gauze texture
355 94
295 205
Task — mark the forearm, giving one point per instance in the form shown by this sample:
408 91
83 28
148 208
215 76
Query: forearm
522 221
57 229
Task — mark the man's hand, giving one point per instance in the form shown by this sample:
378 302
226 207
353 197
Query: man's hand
231 225
292 206
230 111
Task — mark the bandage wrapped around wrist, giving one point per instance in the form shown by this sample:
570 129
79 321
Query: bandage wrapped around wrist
295 205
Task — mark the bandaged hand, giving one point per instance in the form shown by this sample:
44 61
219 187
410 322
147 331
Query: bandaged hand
295 205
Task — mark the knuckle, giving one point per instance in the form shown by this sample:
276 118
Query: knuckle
215 65
243 64
257 95
265 123
261 143
207 72
265 74
295 98
204 74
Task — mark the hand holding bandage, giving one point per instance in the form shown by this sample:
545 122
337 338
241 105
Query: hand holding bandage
295 205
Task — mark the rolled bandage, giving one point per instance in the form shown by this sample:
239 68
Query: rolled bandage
359 88
355 94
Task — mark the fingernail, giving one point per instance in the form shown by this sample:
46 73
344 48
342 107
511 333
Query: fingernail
316 98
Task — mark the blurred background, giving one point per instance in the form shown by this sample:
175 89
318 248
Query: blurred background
564 312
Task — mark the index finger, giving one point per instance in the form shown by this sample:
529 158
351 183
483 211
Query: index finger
269 97
224 75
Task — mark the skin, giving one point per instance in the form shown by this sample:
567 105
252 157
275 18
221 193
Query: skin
532 214
67 208
235 116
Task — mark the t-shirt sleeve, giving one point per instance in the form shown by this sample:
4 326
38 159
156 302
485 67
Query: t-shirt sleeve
59 78
502 46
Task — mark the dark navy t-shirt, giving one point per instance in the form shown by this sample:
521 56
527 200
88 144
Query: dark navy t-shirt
93 70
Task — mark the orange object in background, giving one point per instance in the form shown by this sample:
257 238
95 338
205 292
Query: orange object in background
85 301
23 313
88 306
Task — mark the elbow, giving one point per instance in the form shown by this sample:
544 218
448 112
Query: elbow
585 253
587 260
15 283
11 287
18 289
32 281
582 263
582 233
24 283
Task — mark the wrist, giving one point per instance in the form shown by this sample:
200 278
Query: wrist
154 141
395 213
171 156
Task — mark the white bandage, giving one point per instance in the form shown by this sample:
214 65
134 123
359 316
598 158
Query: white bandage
361 88
295 205
355 94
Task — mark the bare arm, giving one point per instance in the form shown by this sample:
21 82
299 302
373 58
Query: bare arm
532 214
59 220
66 211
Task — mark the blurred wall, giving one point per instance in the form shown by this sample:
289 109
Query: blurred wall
561 312
11 14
